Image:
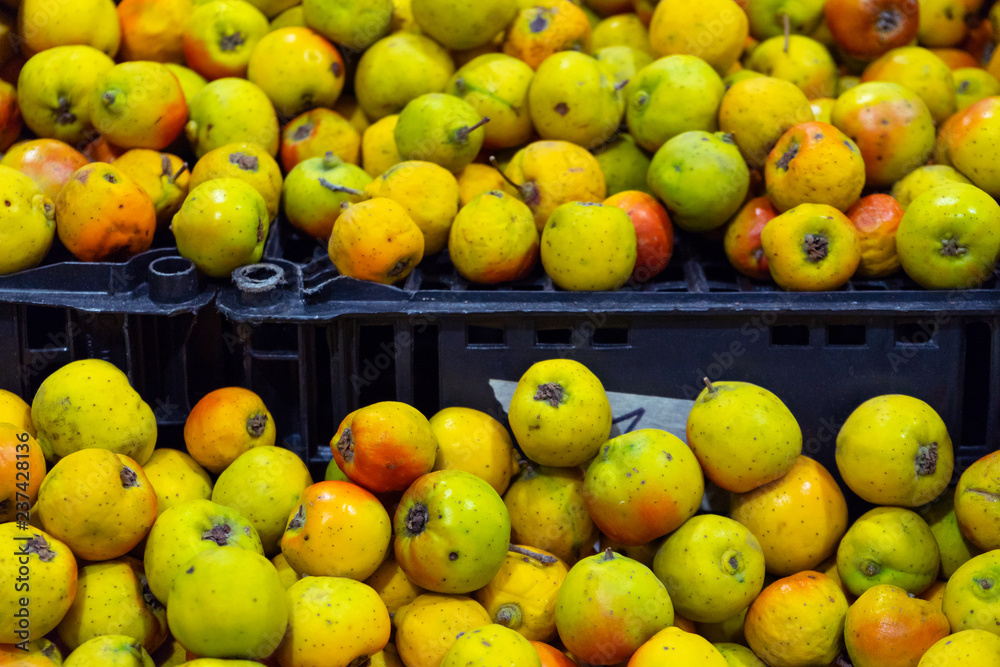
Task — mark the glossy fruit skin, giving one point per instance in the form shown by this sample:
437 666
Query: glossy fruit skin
522 595
224 424
887 628
608 606
653 231
974 502
493 239
138 105
337 529
742 240
969 129
971 597
27 223
316 190
798 518
876 219
221 36
538 32
869 28
316 132
800 167
48 162
679 644
949 237
758 111
811 247
922 72
438 543
588 247
964 646
360 249
297 69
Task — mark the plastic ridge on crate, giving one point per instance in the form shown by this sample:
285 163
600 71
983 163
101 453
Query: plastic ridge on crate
156 282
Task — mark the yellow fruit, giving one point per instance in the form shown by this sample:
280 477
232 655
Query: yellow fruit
522 595
475 442
427 627
428 192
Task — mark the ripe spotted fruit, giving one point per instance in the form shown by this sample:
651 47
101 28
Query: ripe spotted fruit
522 595
54 91
461 26
440 128
163 177
221 226
359 242
976 501
224 424
798 518
683 647
385 446
588 247
758 111
493 239
559 413
52 570
27 222
922 179
113 598
187 529
397 69
895 450
969 129
742 240
228 603
316 190
99 503
876 219
264 484
797 621
633 507
138 105
964 647
885 627
608 606
429 194
221 36
493 645
103 215
888 545
712 566
729 415
548 511
153 29
548 174
972 596
427 627
654 235
176 477
231 110
805 62
48 162
496 85
297 69
922 72
868 28
245 161
317 132
811 247
22 469
767 17
539 31
337 529
473 441
800 168
702 179
110 650
90 403
715 31
452 532
332 621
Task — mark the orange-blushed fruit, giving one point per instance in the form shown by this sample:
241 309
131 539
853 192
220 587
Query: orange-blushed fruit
314 133
811 247
742 240
797 621
376 240
654 233
10 116
551 656
225 423
385 446
885 627
956 58
138 104
164 177
153 29
539 31
22 467
337 529
103 215
868 28
798 518
247 161
48 162
876 218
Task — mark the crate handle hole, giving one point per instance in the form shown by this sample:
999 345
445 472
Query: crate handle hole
172 280
258 278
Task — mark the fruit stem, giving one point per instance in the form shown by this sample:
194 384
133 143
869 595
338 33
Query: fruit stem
528 193
338 188
541 558
128 477
331 161
256 424
787 23
180 170
462 134
620 85
608 554
708 384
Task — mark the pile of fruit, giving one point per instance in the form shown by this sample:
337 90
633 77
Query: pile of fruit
437 542
817 140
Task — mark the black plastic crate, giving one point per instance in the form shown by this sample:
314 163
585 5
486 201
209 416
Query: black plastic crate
149 316
438 341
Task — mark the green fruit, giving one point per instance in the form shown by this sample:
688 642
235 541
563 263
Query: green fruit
955 547
228 603
625 165
187 529
222 225
972 595
397 69
973 84
573 98
806 63
452 532
672 95
622 63
317 189
264 484
439 128
949 237
356 24
767 17
90 403
608 606
888 545
491 646
27 222
922 179
712 566
460 24
109 651
588 247
231 110
496 85
701 178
